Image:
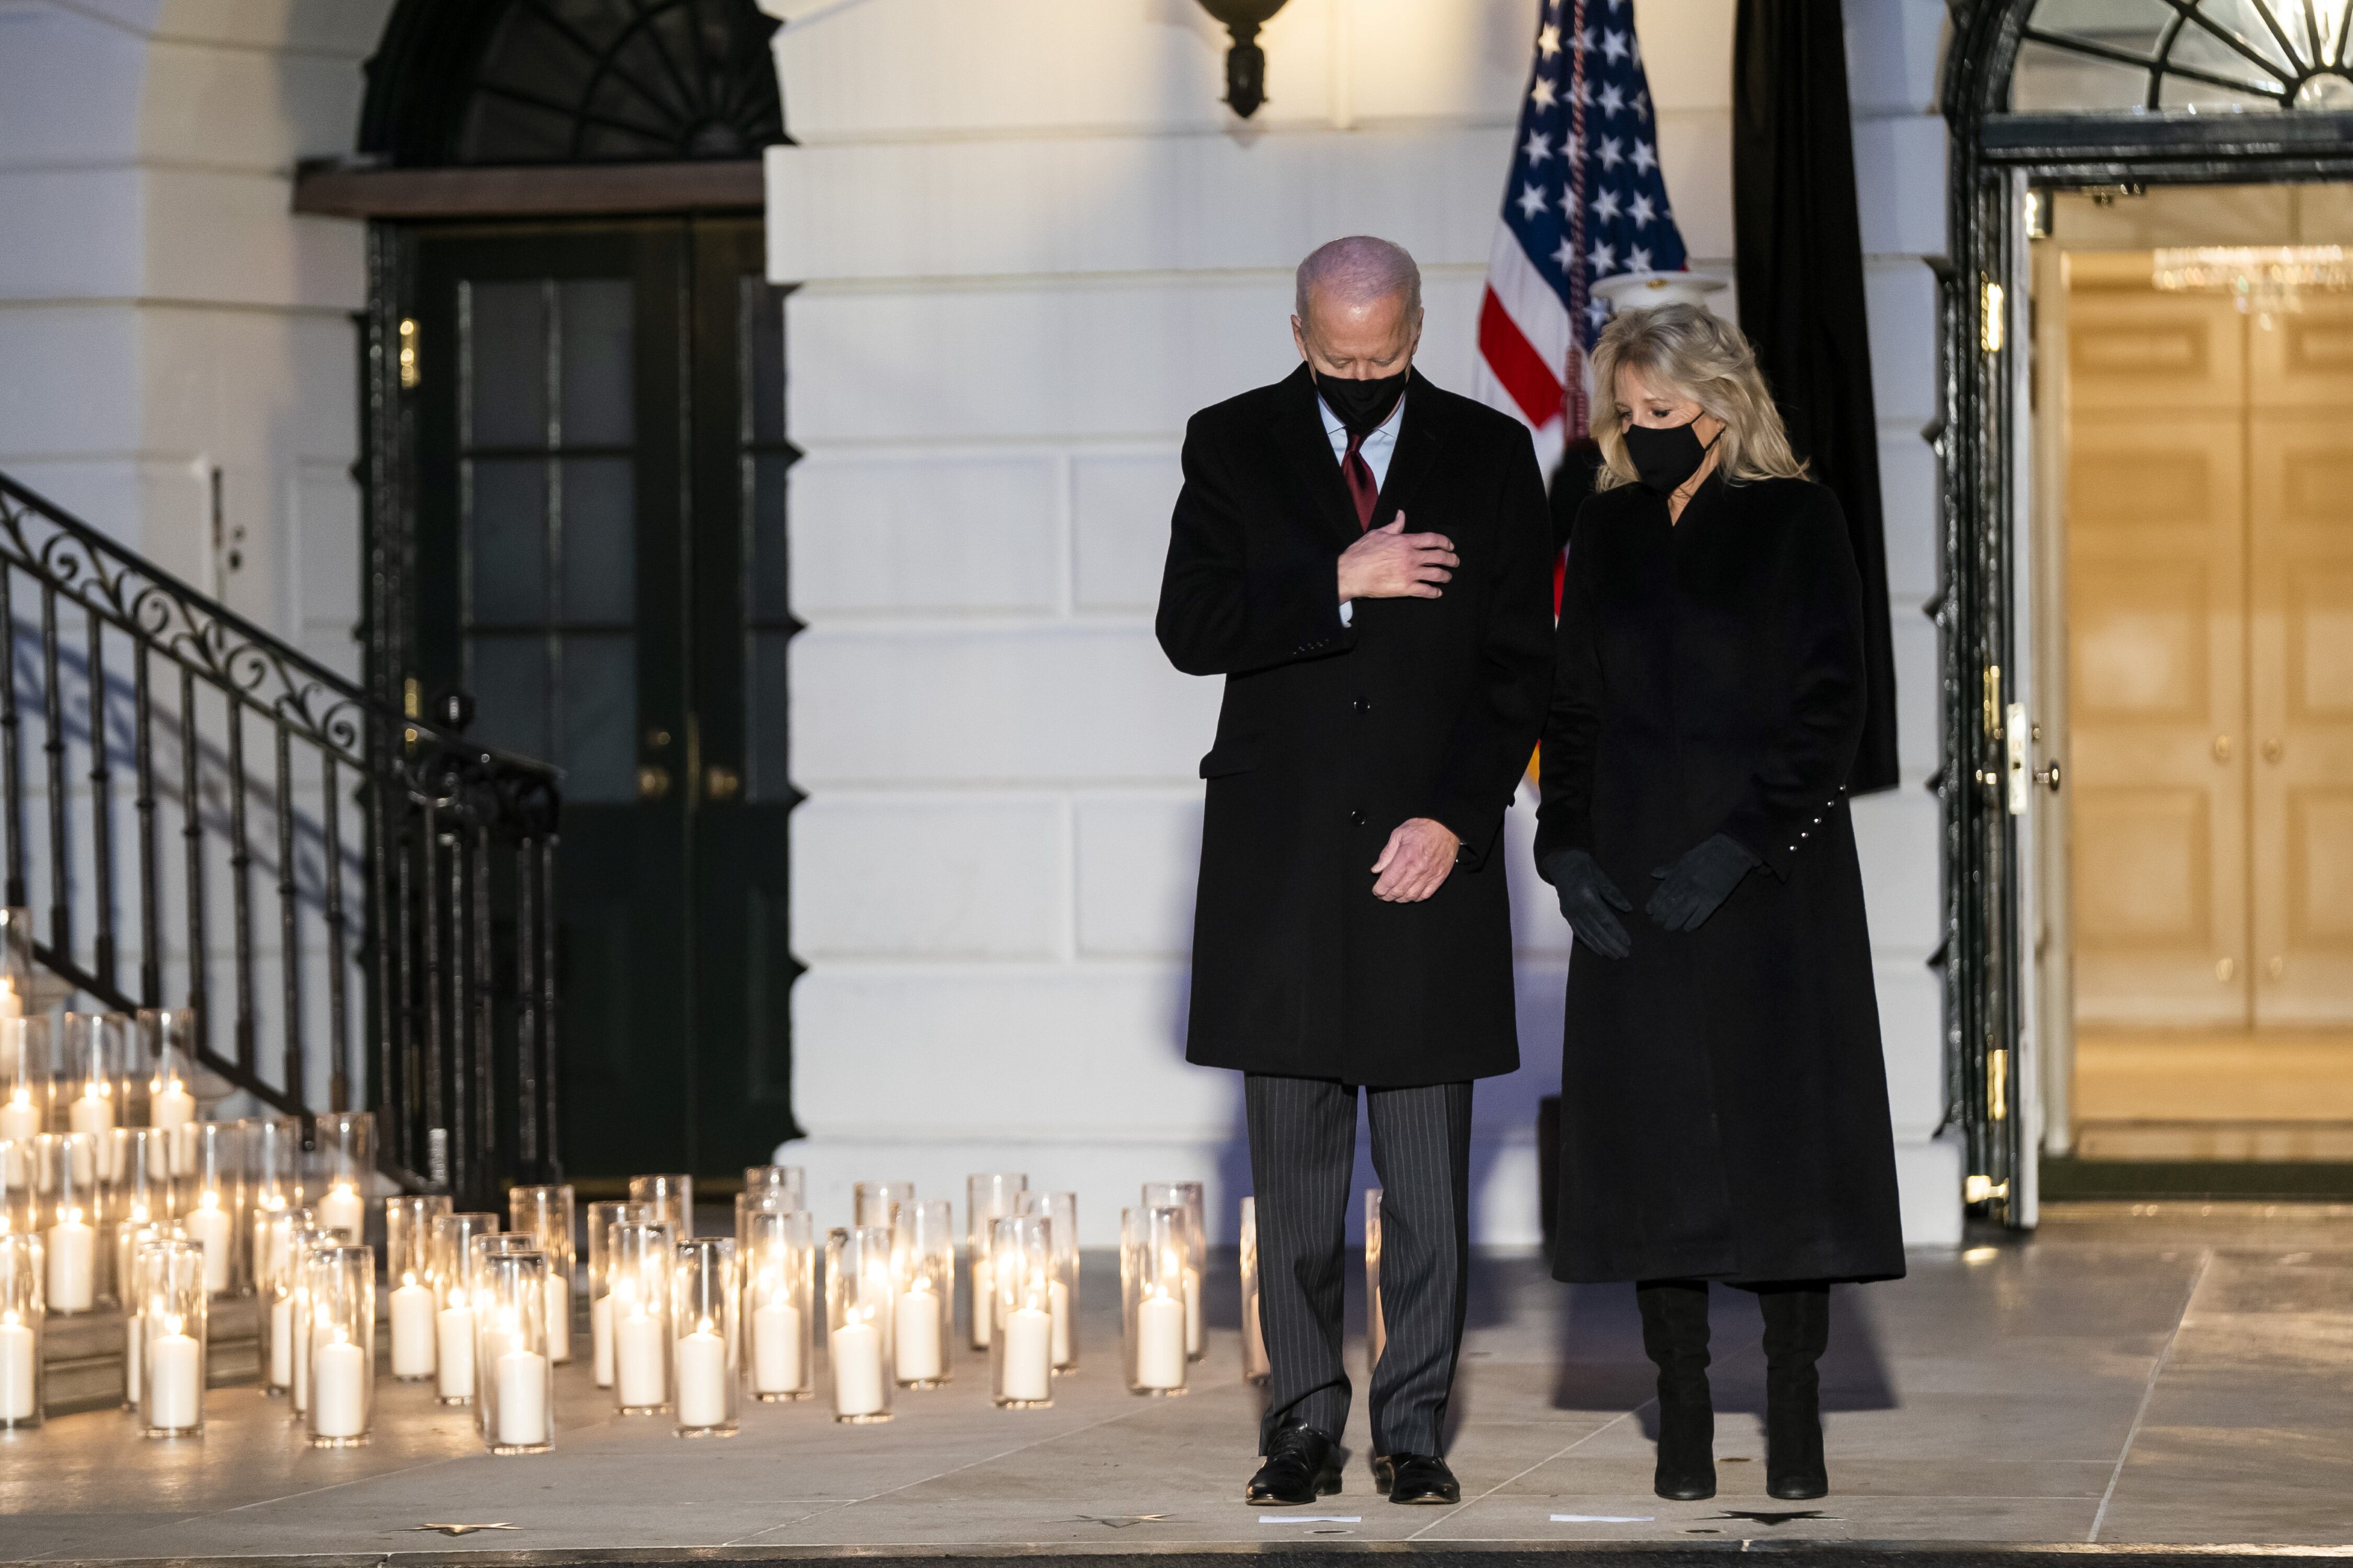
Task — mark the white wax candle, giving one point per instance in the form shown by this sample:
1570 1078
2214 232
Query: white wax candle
281 1342
18 1118
340 1209
92 1113
175 1382
339 1375
455 1351
600 1340
412 1329
210 1227
522 1399
777 1349
17 1369
73 1265
559 1317
858 1369
918 1327
134 1353
1193 1325
983 1300
1160 1343
1058 1301
170 1105
301 1318
1028 1368
638 1360
701 1379
11 1005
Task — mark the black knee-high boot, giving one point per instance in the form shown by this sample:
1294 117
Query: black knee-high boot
1674 1335
1796 1330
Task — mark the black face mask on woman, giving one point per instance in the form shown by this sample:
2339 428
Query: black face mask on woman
1663 459
1364 407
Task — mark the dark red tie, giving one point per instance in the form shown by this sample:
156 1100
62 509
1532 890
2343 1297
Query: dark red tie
1360 477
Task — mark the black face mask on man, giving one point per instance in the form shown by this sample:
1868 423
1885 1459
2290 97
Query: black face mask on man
1364 407
1663 459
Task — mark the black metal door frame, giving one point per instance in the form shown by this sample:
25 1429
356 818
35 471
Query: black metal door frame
1994 157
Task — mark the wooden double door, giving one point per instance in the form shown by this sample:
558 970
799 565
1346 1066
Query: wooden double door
2209 639
600 567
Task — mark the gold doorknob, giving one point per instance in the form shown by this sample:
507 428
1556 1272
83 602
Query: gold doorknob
721 783
2226 970
2222 748
2273 749
653 782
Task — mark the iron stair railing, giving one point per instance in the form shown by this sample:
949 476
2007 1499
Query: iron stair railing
414 870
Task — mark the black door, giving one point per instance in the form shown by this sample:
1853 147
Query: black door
600 566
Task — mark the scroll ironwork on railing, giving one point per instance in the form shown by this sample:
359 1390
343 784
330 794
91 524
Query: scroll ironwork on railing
411 959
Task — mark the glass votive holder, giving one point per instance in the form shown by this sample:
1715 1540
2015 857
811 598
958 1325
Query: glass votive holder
343 1153
139 1195
69 1209
1021 1354
1061 1210
836 1241
779 1269
673 1195
880 1203
859 1352
281 1232
341 1345
1187 1196
638 1288
167 1042
175 1310
273 1181
134 1245
1376 1328
20 1188
988 1199
545 1213
602 1217
28 1075
209 1170
454 1315
708 1353
409 1281
922 1262
764 1200
21 1322
1255 1367
1152 1268
786 1186
302 1243
15 961
516 1406
96 1072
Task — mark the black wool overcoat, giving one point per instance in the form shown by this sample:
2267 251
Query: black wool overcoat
1724 1104
1331 735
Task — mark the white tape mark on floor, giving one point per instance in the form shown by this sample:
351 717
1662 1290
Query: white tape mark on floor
1311 1518
1605 1519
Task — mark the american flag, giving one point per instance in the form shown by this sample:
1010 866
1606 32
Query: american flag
1587 200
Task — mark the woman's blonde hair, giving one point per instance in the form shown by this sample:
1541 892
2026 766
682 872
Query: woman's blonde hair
1683 350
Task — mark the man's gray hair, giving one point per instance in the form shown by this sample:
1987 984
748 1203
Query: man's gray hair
1358 270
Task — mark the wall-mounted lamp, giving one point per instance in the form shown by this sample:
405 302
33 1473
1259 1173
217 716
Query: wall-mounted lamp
1245 62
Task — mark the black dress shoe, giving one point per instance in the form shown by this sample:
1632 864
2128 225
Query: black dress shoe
1301 1465
1423 1479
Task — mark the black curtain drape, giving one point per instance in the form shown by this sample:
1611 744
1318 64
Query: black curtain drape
1800 264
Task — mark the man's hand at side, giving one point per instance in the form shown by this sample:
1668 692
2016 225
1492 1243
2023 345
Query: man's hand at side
1415 862
1390 563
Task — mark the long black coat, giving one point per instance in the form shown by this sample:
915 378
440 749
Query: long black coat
1724 1105
1331 736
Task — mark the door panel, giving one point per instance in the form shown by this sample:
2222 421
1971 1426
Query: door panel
2131 348
2157 677
2301 470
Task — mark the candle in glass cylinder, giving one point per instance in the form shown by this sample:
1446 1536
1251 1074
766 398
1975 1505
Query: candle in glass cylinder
339 1387
1058 1302
176 1378
777 1348
281 1342
637 1358
19 1118
1029 1371
169 1104
456 1350
1160 1343
92 1111
522 1399
73 1259
16 1369
918 1334
412 1329
340 1209
208 1225
857 1369
600 1341
701 1378
559 1317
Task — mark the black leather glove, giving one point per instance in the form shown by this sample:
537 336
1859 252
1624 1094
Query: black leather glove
1586 897
1695 887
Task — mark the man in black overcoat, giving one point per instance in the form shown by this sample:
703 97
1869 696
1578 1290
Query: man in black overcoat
1383 690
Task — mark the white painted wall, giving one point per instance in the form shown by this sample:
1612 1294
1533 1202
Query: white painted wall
1031 241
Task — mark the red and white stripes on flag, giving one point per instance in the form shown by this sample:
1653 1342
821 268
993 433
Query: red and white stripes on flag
1529 361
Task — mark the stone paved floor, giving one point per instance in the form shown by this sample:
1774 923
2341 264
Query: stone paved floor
2162 1376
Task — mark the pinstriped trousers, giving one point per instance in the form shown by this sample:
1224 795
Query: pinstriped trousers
1302 1141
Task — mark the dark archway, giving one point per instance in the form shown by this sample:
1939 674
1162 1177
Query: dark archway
2044 95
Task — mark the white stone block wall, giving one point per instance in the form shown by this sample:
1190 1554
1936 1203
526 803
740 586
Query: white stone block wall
1031 242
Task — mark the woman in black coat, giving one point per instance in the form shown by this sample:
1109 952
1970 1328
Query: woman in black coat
1723 1106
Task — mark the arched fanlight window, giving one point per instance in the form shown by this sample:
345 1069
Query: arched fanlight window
2193 55
571 81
